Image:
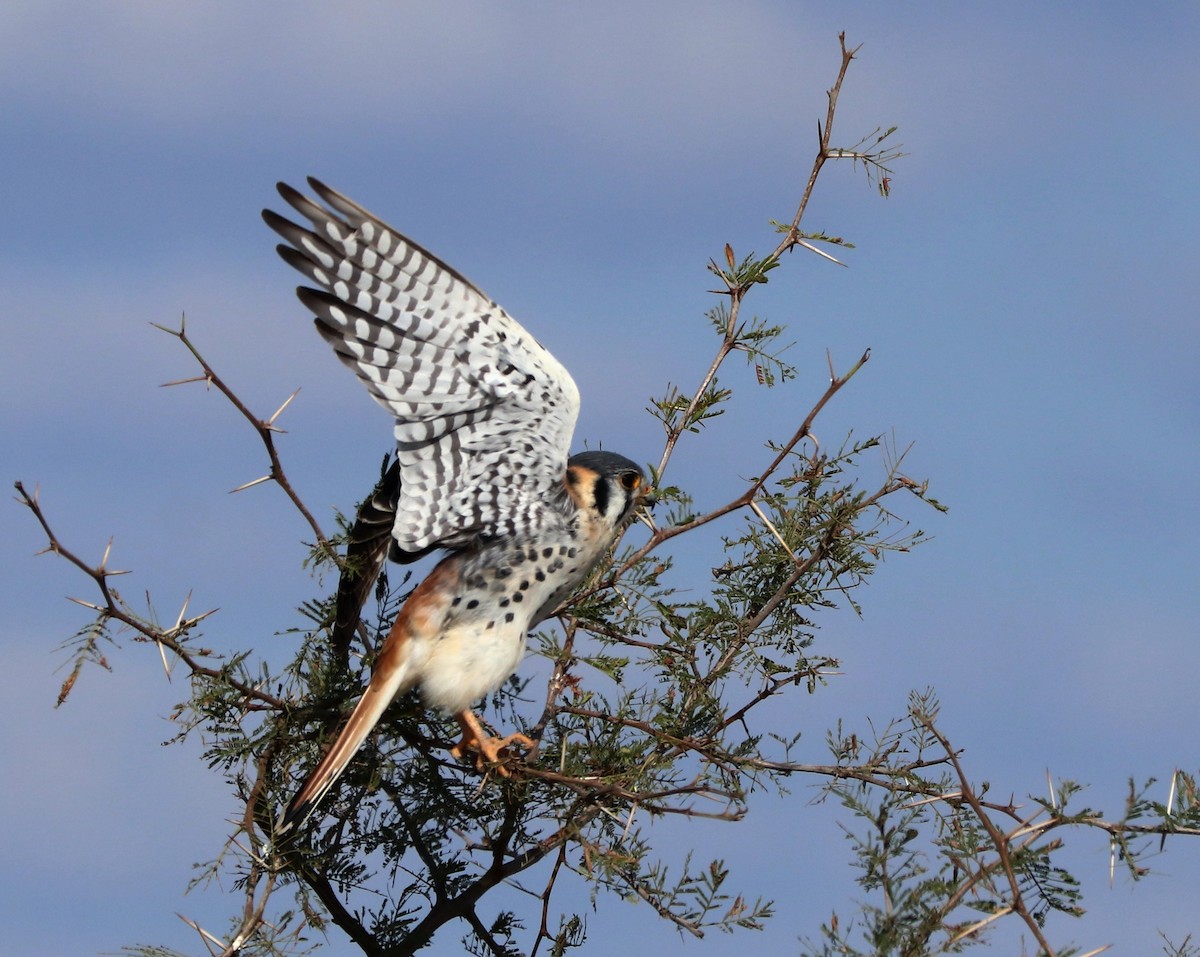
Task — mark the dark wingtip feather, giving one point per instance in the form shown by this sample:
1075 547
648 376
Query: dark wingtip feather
281 224
270 217
296 259
320 302
290 194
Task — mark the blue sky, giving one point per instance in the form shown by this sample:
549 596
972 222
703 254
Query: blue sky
1029 293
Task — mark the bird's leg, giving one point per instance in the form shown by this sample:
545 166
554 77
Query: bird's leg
488 750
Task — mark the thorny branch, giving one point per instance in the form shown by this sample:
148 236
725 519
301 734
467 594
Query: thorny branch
266 429
1000 842
737 291
824 152
736 287
115 609
662 535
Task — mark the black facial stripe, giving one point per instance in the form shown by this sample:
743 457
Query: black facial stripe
600 494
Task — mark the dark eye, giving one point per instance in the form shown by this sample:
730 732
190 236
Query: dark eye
630 481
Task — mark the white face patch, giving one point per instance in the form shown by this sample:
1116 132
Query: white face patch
607 497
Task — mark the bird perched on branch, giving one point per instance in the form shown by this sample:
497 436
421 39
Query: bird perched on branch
484 417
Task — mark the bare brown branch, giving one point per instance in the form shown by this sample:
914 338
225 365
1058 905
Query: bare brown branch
265 428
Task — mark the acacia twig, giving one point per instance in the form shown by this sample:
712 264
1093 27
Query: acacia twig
265 428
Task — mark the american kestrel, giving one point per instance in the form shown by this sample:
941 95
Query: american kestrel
484 417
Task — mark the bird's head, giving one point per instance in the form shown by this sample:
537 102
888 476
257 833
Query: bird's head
606 485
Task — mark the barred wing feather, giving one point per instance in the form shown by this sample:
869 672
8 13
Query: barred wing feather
484 414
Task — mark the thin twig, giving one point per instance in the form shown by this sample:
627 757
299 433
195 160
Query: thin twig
264 427
116 609
1000 841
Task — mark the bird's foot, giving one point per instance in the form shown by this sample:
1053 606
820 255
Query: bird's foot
489 751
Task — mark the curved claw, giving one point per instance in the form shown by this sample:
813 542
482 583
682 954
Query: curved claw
489 751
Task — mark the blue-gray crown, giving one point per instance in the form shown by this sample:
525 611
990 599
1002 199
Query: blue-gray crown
605 463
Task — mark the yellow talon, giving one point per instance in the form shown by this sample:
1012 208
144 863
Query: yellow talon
488 750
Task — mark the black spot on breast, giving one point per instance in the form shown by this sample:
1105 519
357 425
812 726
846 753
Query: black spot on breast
504 603
524 586
517 596
547 552
540 575
473 603
508 617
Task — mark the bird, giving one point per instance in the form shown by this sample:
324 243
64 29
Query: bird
484 417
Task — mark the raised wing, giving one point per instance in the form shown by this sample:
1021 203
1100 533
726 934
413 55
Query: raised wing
484 414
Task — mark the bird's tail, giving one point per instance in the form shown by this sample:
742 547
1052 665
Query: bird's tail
370 708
